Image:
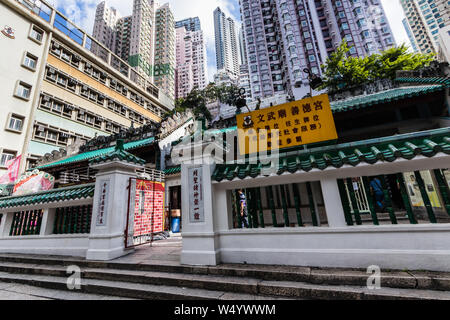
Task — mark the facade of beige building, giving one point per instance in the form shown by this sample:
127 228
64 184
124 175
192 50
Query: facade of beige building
59 85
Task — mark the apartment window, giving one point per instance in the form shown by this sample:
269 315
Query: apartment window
23 91
30 61
15 123
6 156
36 34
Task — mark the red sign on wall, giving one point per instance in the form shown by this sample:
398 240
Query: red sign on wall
148 210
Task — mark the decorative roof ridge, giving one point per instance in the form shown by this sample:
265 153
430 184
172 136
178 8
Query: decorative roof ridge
119 154
363 143
79 186
131 146
427 144
418 86
394 138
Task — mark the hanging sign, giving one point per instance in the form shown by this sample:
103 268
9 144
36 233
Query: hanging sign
288 125
196 201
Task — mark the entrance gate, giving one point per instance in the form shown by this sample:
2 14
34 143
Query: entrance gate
145 216
360 193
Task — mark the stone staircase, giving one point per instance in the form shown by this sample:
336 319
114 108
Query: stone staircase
169 280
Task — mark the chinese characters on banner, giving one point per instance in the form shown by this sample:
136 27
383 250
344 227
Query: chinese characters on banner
295 123
196 210
103 203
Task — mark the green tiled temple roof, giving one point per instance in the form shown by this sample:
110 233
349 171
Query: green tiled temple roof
407 146
118 154
432 80
382 97
56 195
173 170
97 153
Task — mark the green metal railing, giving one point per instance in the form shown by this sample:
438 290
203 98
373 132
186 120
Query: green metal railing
277 204
73 220
412 214
26 223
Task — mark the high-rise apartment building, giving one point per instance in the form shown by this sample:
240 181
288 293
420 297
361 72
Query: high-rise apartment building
133 37
410 35
444 44
57 90
242 48
105 23
143 36
191 60
191 24
122 38
283 37
426 18
164 65
227 46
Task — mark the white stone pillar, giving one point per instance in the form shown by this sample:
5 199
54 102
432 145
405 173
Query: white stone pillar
5 223
333 203
109 216
200 242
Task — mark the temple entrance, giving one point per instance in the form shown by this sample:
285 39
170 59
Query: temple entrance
145 217
175 209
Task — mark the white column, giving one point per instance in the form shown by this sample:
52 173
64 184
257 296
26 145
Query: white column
6 224
6 220
333 204
200 240
48 221
109 216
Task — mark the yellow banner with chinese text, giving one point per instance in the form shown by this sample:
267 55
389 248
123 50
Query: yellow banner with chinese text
288 125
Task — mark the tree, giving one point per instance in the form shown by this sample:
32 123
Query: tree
341 70
197 99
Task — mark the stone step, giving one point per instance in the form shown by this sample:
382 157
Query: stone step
14 291
265 290
127 289
172 273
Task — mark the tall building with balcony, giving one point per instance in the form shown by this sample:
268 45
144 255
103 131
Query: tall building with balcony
412 40
164 66
426 18
191 63
106 19
132 37
191 24
58 91
227 46
283 37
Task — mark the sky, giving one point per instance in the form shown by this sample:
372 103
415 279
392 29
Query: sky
82 13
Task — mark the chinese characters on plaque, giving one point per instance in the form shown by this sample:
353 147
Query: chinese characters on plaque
196 210
103 203
288 125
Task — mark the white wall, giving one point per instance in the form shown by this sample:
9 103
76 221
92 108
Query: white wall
11 71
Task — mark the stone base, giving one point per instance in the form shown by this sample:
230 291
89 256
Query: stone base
200 258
